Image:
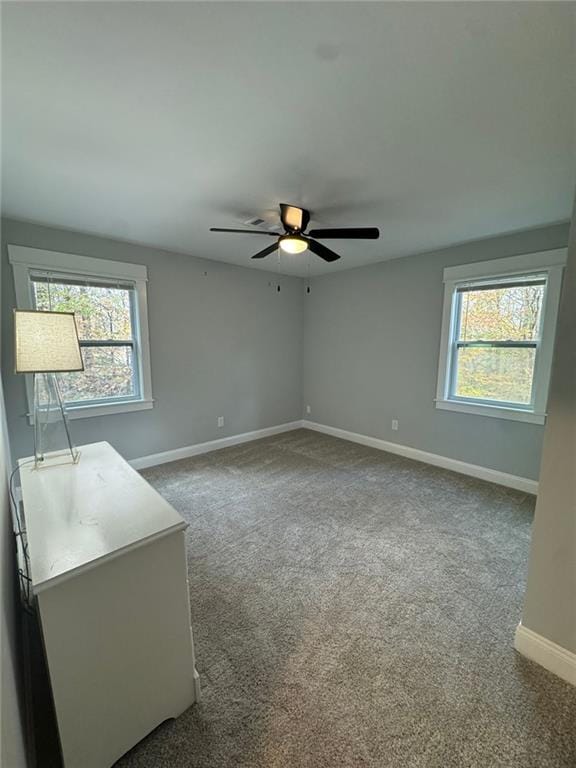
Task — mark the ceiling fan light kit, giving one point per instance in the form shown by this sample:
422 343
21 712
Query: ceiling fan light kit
293 244
295 238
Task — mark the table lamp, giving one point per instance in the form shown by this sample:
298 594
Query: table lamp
46 343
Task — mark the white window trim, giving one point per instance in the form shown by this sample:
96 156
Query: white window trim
25 260
550 263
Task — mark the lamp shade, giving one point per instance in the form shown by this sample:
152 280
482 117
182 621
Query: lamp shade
46 342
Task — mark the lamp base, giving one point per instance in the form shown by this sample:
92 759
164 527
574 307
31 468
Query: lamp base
52 441
56 458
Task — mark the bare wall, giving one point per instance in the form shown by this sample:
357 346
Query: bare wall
12 740
550 605
223 342
371 344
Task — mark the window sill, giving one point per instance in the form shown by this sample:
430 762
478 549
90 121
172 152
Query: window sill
494 411
87 411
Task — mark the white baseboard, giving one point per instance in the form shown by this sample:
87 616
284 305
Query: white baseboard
473 470
212 445
552 657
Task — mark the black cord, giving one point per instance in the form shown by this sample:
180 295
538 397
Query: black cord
20 534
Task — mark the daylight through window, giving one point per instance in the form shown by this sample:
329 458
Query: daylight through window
105 316
497 332
498 328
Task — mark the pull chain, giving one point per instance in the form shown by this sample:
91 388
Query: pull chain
278 252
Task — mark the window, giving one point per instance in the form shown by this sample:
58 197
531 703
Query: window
104 318
498 336
109 302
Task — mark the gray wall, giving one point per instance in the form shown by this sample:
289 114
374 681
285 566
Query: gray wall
226 344
550 603
229 344
372 338
12 751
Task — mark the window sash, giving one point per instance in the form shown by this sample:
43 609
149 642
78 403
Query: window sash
132 343
456 344
136 379
62 279
494 284
452 395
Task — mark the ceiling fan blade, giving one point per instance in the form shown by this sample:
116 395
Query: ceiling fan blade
245 231
347 233
293 218
266 251
322 251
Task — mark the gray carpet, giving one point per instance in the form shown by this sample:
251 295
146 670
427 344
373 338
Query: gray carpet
352 608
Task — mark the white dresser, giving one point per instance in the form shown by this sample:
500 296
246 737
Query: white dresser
108 568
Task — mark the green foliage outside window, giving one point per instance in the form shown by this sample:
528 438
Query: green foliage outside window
103 313
503 314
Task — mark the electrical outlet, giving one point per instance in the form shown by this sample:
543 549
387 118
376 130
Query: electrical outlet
308 410
395 425
220 421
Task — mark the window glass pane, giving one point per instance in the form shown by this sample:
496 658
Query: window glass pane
503 373
109 373
102 312
503 313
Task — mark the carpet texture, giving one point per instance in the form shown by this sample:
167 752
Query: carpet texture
353 608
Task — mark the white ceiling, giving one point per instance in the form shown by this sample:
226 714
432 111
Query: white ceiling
151 122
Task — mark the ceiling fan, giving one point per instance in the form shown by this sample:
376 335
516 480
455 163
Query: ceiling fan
295 238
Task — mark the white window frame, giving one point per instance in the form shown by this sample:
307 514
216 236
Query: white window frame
548 263
25 261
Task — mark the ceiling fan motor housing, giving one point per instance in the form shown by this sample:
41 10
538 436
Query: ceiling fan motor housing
294 219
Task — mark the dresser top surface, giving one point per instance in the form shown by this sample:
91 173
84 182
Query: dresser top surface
80 515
